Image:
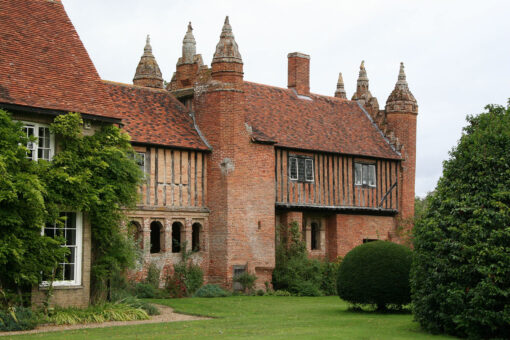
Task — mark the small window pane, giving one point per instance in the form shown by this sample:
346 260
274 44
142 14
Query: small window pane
371 175
301 169
365 174
357 173
69 271
71 237
309 169
293 168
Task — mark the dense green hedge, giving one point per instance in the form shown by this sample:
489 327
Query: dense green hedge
376 273
461 272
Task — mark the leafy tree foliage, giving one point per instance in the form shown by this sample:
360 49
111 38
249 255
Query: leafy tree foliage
461 270
93 174
376 273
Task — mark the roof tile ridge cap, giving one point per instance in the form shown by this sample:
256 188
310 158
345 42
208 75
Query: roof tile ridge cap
332 98
112 82
378 129
267 85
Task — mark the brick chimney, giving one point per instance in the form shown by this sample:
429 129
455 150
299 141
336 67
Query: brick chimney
299 73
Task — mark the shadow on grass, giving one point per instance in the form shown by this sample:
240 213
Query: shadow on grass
372 309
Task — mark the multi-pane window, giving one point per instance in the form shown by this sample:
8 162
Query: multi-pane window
364 174
69 269
301 168
43 146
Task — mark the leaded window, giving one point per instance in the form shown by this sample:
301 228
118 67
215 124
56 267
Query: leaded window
364 174
301 168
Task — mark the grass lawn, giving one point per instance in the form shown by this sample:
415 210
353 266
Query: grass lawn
262 317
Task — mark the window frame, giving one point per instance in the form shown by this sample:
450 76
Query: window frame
35 149
306 159
78 255
366 170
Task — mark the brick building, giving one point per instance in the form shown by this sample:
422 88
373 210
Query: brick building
225 160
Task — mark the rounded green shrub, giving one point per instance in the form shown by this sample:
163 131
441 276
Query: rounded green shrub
209 291
376 273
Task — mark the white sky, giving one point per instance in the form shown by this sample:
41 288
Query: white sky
456 53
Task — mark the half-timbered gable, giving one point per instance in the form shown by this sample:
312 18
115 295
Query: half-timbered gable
173 157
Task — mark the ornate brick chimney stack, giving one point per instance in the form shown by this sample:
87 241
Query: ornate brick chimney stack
148 73
340 90
188 65
363 94
299 73
401 114
227 64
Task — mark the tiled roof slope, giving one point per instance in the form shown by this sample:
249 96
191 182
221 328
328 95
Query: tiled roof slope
43 62
323 123
154 116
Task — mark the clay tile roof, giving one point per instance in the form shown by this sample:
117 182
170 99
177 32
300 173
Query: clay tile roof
317 123
154 116
43 62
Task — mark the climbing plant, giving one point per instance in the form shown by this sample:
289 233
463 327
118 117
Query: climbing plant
94 174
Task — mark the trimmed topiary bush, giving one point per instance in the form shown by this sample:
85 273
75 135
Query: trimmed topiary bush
209 291
376 273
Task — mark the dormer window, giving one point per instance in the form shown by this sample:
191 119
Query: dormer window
301 168
364 174
44 146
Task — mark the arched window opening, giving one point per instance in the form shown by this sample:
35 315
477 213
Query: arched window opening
176 237
315 237
135 230
195 237
156 239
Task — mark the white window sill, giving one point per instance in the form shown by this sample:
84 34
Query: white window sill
61 286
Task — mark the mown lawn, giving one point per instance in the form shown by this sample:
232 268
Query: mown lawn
261 318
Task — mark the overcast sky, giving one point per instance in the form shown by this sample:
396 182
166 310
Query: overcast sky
456 53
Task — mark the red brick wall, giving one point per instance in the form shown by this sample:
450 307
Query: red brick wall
404 126
346 231
240 177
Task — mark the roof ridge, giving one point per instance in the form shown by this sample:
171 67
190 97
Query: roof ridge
117 83
311 93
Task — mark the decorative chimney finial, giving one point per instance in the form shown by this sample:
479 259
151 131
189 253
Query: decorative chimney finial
148 48
148 73
402 82
189 48
227 49
401 99
340 90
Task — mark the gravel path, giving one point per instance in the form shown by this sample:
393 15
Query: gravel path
166 315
